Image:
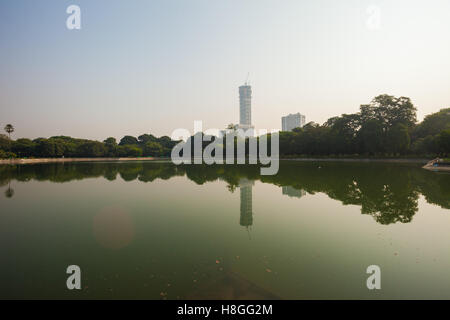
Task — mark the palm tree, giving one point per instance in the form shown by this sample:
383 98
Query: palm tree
232 126
9 129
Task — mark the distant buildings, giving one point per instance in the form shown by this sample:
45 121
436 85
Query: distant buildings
288 123
292 121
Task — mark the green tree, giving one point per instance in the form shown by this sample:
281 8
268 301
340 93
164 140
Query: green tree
433 124
389 110
110 140
111 146
9 129
398 140
128 140
24 147
91 149
443 141
143 139
153 149
371 136
49 148
343 133
426 146
5 142
129 151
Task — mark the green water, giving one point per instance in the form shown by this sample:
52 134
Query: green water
153 230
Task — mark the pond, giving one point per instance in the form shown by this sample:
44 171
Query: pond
153 230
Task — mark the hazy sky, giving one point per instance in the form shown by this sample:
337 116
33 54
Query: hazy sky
152 66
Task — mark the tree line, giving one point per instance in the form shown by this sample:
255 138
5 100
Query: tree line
145 145
385 127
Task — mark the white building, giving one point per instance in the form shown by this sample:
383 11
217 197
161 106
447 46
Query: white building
245 107
292 121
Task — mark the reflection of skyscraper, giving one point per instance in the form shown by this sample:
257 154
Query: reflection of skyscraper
246 187
292 192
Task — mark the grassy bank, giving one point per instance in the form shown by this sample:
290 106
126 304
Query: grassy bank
59 160
343 159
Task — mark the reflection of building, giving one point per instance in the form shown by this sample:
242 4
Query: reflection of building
246 187
292 192
292 121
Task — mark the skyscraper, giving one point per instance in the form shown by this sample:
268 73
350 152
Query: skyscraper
292 121
245 106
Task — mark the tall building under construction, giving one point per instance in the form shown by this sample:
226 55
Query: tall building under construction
245 106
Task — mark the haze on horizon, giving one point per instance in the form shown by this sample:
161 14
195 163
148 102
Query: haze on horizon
153 66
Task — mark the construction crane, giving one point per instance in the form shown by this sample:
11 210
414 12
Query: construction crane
246 81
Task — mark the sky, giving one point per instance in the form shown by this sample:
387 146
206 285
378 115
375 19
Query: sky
147 66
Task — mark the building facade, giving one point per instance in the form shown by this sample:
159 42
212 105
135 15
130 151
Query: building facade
292 121
245 107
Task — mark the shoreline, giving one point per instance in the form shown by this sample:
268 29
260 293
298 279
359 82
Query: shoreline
63 160
385 160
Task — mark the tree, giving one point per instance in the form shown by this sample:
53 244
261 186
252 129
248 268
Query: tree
23 147
398 140
4 142
129 151
110 140
128 140
389 110
143 139
443 141
232 126
342 136
7 155
433 124
371 136
49 148
111 146
426 146
153 149
9 129
91 149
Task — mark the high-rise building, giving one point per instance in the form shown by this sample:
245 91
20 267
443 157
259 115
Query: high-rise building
292 121
245 107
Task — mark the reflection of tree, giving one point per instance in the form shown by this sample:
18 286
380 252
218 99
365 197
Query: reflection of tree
388 192
9 193
384 191
231 188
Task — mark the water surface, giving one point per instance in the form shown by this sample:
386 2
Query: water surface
153 230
